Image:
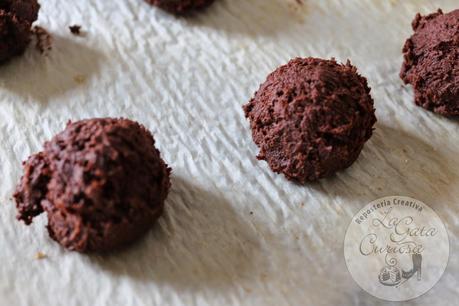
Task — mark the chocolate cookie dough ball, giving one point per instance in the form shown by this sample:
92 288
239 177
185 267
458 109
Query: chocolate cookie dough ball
181 7
311 118
16 18
431 63
101 182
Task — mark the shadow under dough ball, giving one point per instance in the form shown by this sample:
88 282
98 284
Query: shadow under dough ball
431 63
311 118
16 18
181 7
101 182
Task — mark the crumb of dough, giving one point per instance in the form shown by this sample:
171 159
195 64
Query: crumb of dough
79 79
40 255
44 40
75 29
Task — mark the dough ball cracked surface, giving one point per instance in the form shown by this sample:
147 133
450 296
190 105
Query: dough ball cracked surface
101 182
311 118
431 63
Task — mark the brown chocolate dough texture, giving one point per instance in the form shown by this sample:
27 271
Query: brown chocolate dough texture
311 118
181 7
431 63
16 18
101 182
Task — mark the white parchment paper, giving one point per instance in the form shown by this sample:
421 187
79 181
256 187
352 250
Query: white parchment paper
233 233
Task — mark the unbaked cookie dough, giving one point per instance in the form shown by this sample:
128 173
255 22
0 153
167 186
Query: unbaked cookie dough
101 182
181 7
311 118
16 18
431 63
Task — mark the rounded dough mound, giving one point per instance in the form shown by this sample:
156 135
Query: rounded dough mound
181 7
431 63
101 182
16 18
311 118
